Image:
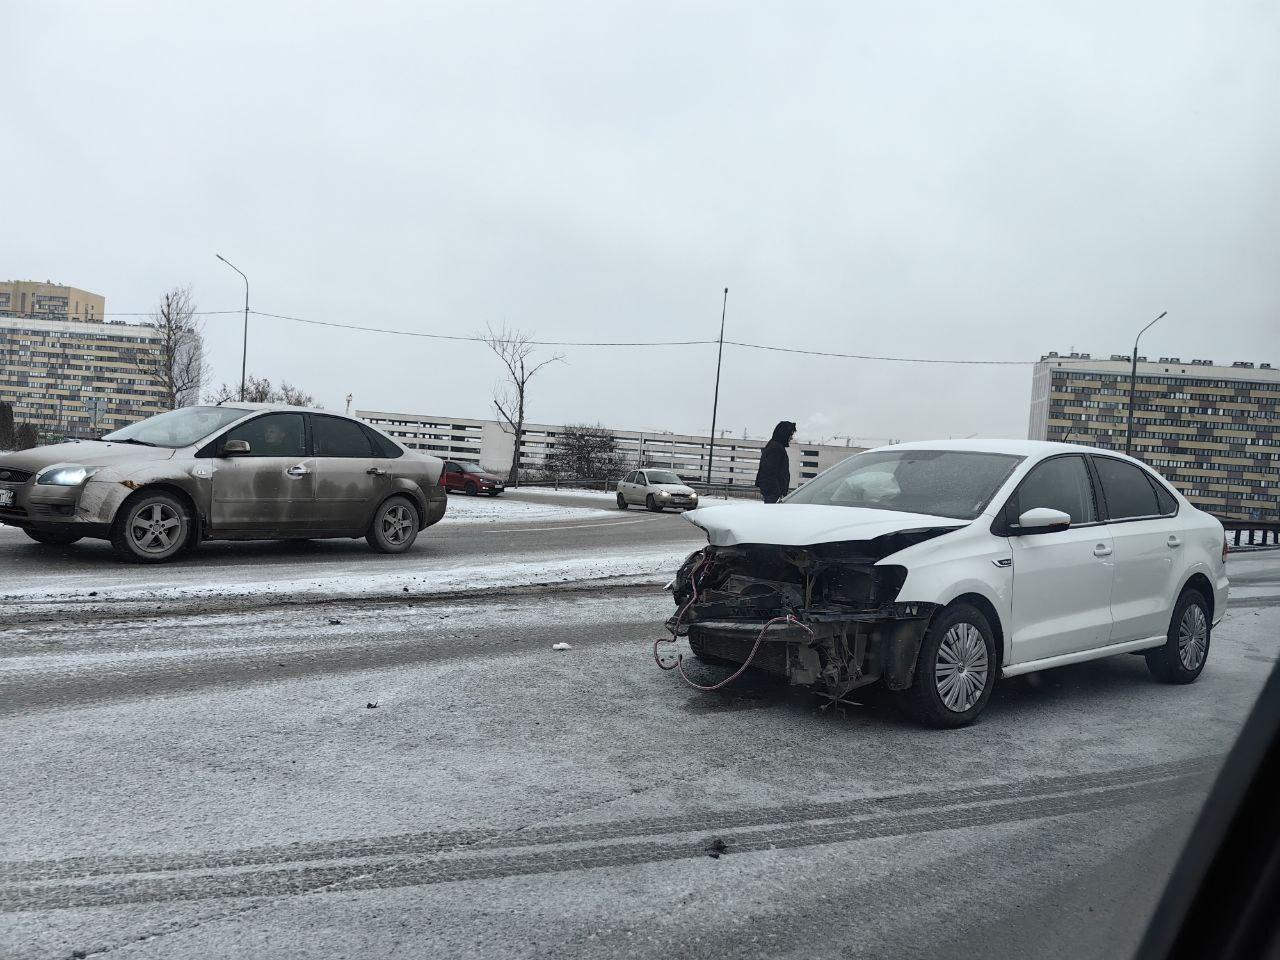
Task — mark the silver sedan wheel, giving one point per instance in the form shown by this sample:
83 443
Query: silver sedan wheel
961 668
155 528
1193 637
396 524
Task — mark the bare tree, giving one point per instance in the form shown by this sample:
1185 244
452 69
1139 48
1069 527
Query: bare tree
176 365
260 390
515 349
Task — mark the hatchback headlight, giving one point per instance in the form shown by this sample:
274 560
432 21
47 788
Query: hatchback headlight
66 476
664 495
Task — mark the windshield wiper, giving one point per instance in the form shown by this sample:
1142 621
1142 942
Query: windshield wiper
141 443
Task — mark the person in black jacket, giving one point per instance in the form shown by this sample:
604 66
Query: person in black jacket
774 476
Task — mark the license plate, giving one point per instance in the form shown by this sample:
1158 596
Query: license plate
6 498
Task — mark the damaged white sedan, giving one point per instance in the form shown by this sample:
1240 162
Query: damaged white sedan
936 568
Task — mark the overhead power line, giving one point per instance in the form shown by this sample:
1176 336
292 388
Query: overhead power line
476 338
865 356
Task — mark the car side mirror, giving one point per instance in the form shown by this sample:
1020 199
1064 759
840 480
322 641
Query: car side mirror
235 448
1041 520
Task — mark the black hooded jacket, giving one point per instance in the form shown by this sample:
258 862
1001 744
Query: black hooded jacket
774 476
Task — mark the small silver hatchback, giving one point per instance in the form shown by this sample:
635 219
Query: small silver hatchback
656 489
247 471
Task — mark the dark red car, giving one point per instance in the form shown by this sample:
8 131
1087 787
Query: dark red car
469 478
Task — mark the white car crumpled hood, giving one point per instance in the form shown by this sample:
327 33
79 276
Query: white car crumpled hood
804 524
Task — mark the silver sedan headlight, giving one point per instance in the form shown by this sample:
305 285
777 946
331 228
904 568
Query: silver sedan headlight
71 476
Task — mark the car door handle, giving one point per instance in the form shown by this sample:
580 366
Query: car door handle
376 472
1102 550
1173 541
298 471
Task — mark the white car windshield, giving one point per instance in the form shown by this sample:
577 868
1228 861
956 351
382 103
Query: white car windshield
662 476
941 483
177 428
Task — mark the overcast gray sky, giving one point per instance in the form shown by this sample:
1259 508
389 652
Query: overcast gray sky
978 180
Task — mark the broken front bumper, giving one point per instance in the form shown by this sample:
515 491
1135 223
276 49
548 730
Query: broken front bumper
834 653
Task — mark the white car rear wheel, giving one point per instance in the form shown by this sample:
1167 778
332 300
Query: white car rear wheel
1186 648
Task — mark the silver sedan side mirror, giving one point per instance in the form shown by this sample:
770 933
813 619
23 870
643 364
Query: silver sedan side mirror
235 448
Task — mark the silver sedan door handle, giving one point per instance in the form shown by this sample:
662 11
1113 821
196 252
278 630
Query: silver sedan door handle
1102 550
1173 541
298 471
376 472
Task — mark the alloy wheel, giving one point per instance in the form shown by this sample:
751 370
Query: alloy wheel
961 668
396 524
155 528
1193 637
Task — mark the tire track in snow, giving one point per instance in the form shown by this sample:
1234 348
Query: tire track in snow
429 858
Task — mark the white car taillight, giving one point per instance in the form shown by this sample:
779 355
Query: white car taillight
1225 548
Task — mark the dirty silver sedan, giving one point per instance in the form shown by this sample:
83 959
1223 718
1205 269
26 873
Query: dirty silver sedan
245 472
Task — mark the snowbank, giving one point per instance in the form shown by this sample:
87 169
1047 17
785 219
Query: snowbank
503 509
577 493
644 566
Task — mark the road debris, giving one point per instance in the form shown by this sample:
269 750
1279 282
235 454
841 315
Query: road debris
334 621
371 705
716 847
561 646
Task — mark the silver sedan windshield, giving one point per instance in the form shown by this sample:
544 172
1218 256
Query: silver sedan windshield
177 428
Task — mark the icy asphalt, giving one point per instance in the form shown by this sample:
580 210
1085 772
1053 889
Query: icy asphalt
197 778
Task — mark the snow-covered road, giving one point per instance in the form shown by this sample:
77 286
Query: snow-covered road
426 775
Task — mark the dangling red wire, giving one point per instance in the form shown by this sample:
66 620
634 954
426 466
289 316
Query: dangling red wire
751 656
678 662
675 628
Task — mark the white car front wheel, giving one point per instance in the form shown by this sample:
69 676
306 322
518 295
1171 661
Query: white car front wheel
955 669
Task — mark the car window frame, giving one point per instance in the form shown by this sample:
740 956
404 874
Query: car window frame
1142 469
213 449
381 443
372 454
1158 483
1003 522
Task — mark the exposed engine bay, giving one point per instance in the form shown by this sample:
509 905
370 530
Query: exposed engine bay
823 616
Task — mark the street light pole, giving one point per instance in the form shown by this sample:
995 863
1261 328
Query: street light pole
715 404
1133 382
244 353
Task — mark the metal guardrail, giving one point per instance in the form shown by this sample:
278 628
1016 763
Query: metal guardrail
1260 533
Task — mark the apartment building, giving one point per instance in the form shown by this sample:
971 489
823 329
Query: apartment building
75 378
49 301
491 444
1212 430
